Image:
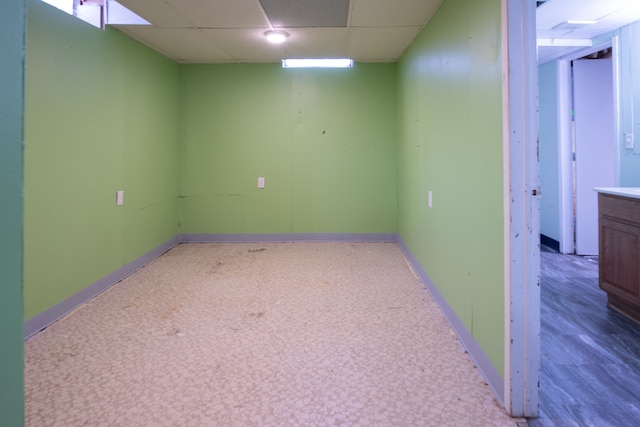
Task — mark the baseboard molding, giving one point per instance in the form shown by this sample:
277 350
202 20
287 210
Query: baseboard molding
549 242
491 375
289 237
47 317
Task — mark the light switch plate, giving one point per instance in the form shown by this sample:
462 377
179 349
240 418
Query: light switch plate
119 198
261 182
628 141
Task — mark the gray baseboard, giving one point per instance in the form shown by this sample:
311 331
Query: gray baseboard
491 375
289 237
47 317
549 242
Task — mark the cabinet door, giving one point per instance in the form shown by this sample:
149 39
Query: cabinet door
620 259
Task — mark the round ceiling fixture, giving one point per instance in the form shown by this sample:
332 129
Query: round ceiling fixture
276 36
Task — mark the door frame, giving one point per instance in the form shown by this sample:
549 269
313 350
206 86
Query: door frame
565 135
521 209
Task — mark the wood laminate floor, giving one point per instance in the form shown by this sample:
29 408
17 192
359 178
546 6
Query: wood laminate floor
590 354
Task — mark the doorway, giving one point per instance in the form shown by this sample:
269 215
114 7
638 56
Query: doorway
586 158
594 143
587 144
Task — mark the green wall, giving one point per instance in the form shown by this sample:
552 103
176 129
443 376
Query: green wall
187 144
342 151
549 150
12 24
100 116
323 139
450 143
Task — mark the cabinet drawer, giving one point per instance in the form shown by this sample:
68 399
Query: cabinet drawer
621 208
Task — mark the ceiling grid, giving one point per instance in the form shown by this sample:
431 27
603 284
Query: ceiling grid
224 31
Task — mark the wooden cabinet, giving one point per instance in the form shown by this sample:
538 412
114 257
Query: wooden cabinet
619 252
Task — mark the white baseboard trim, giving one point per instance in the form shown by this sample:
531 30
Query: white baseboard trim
469 343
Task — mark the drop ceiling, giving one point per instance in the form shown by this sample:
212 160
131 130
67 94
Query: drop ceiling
228 31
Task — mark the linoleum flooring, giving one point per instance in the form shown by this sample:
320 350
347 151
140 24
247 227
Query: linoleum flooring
590 354
274 334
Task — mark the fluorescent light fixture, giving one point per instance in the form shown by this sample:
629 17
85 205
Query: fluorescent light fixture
573 24
276 36
581 22
565 42
318 63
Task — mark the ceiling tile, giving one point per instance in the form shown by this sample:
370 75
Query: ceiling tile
379 30
234 29
380 44
307 13
247 45
317 43
182 44
398 13
159 13
222 13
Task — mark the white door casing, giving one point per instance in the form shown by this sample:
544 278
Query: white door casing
521 209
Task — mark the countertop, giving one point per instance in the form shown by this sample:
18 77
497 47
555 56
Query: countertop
633 192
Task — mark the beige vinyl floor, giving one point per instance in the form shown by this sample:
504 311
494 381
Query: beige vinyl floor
264 334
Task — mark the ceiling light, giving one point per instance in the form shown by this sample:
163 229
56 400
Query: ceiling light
276 36
565 42
318 63
573 25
